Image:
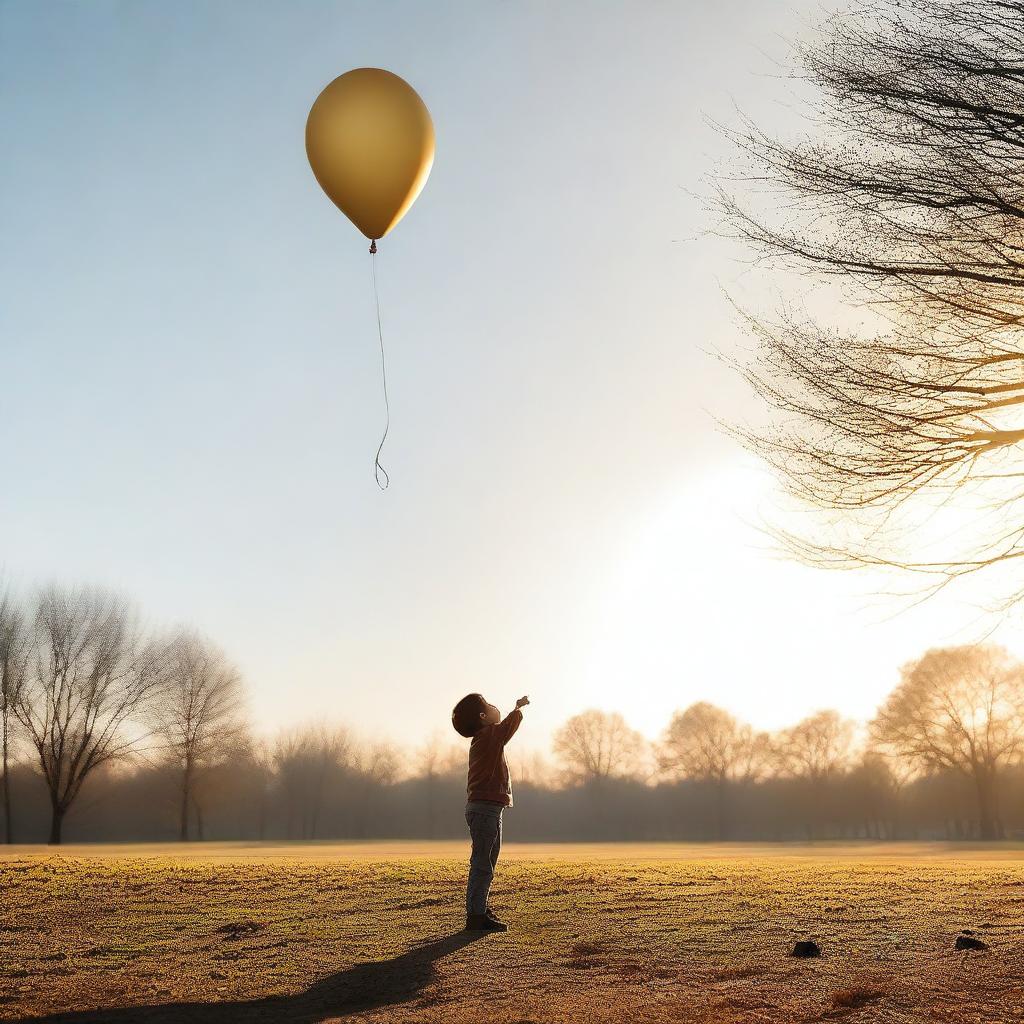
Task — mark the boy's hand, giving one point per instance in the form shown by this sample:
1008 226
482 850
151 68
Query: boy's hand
522 702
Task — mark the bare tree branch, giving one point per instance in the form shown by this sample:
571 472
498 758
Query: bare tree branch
910 194
91 675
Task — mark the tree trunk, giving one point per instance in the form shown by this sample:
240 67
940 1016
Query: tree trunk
430 806
56 824
186 794
8 816
722 810
314 814
988 816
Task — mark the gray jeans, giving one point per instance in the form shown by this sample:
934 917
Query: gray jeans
484 821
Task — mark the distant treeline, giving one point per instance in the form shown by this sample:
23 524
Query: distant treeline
111 733
244 799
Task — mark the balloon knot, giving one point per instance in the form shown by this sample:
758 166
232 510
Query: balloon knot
373 245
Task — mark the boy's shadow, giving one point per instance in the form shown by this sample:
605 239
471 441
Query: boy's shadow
362 987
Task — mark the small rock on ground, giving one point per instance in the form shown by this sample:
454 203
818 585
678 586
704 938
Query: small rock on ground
807 948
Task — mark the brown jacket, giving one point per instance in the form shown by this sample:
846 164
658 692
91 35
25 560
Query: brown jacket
488 769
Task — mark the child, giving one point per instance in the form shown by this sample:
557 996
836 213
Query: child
489 793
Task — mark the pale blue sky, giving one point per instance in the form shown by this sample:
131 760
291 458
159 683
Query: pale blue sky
190 397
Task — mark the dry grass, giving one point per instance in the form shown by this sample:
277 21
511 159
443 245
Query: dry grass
624 933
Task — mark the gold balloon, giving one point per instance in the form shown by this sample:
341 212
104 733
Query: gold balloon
370 142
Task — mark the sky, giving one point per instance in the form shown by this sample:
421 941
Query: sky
190 393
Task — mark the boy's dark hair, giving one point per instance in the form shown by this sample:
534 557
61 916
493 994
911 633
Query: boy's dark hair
466 715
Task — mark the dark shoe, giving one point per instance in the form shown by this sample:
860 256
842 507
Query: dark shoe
497 920
483 923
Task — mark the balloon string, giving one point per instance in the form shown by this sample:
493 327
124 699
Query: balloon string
378 469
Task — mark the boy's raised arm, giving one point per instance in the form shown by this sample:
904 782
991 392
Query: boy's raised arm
508 725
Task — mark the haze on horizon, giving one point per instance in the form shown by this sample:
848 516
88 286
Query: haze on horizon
192 394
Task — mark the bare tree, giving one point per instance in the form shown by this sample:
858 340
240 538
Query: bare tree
960 708
871 793
816 748
91 675
309 763
706 743
594 746
14 654
262 762
438 756
377 766
535 769
815 753
199 713
379 762
436 759
909 195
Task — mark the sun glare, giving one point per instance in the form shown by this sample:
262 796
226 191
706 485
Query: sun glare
695 611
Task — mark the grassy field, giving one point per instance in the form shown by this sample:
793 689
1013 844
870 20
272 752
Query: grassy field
626 933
